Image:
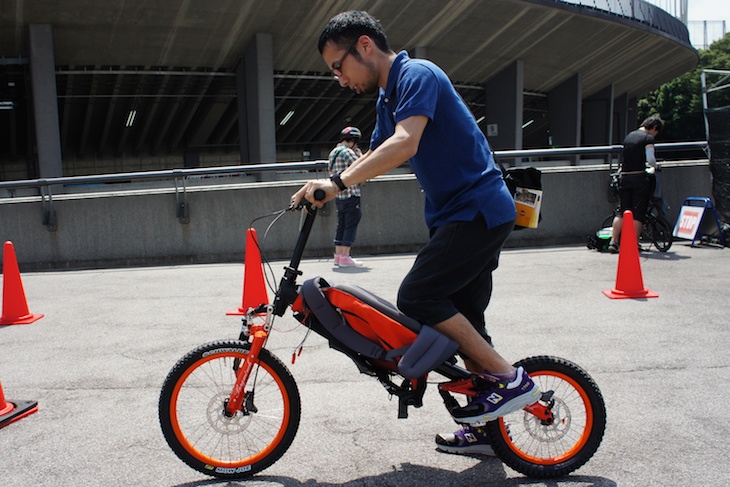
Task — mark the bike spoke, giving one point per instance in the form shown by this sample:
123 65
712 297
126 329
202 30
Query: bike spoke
557 445
194 419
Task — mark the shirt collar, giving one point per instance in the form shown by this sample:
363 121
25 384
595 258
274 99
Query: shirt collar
394 73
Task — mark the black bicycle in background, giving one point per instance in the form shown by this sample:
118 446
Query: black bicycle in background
656 231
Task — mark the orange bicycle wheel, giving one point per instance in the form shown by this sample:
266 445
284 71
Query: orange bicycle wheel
192 405
546 449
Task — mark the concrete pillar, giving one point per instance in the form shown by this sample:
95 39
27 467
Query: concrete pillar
620 118
256 109
243 143
632 116
45 101
564 113
504 100
597 117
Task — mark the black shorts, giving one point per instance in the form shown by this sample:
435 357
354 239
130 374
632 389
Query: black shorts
636 190
453 273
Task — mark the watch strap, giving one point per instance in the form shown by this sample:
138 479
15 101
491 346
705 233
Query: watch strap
335 178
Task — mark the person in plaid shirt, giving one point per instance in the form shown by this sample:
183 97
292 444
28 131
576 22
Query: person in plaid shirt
348 201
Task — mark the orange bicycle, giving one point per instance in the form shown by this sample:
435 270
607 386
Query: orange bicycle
230 408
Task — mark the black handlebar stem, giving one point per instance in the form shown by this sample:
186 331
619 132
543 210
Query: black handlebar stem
287 292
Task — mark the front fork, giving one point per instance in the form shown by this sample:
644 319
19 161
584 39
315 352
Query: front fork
256 334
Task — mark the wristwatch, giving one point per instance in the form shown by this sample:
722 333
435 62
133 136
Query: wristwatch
335 178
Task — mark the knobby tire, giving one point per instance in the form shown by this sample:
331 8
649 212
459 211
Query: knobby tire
535 449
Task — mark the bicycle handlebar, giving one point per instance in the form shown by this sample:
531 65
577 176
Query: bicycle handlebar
319 195
287 292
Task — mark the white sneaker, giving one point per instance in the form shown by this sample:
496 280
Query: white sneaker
347 261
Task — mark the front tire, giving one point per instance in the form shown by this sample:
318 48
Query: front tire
537 449
192 404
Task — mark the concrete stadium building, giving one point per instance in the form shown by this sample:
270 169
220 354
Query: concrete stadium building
89 87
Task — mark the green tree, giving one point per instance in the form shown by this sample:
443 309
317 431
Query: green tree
679 102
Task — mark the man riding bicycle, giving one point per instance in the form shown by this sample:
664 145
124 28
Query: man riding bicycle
469 210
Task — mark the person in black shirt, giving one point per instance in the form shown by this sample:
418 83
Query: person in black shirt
637 179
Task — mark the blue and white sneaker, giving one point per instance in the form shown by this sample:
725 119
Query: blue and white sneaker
466 441
500 399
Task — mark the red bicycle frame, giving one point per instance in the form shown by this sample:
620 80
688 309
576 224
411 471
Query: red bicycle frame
258 333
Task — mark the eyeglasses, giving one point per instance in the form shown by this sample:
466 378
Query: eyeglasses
337 65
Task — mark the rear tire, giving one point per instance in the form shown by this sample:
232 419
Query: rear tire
662 234
192 404
535 449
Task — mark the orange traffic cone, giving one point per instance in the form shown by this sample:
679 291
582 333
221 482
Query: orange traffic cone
13 411
15 307
629 283
254 287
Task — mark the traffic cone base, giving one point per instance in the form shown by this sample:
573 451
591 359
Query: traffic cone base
23 320
12 411
20 409
616 294
629 283
254 287
15 307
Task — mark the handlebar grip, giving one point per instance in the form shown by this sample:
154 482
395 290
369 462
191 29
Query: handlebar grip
319 194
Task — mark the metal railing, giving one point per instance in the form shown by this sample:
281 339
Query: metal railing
179 176
596 150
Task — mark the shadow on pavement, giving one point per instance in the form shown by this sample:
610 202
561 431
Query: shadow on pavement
489 472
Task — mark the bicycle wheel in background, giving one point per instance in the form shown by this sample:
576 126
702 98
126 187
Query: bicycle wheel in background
608 222
192 405
540 449
661 234
646 238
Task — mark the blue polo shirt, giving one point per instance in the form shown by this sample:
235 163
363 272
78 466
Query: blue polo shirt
454 164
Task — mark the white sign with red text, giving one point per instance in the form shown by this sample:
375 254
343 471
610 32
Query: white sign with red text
689 221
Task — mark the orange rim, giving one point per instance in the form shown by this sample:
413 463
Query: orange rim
195 452
579 444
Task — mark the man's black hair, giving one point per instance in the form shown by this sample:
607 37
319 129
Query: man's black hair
343 29
653 121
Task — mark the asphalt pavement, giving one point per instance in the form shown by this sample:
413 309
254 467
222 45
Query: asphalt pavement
97 359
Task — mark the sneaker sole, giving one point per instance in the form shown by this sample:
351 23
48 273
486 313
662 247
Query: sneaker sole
520 402
466 450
